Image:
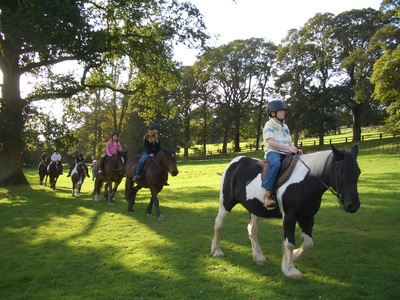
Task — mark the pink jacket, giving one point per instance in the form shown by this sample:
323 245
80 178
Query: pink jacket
112 148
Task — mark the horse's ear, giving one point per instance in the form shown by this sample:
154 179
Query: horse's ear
354 150
336 152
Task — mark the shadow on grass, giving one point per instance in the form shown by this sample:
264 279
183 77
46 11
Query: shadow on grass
115 254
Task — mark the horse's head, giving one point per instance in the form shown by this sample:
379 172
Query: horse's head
170 162
122 158
345 177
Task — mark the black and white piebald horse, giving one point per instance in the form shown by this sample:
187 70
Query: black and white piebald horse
299 199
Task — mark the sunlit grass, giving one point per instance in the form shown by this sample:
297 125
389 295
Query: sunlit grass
55 246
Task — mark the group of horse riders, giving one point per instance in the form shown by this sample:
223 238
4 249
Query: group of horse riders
56 159
151 145
47 161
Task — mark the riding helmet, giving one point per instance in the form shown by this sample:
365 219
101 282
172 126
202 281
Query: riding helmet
80 154
115 133
275 105
153 126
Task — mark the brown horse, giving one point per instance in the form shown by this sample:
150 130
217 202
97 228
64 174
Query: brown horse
114 171
54 170
43 174
155 176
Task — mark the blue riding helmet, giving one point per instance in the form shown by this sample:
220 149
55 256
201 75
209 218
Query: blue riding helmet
275 105
153 126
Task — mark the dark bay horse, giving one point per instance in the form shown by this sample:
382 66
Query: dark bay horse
299 199
155 177
43 175
54 170
114 171
78 174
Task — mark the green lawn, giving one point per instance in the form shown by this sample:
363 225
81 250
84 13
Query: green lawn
54 246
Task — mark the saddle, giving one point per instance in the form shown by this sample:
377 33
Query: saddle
288 163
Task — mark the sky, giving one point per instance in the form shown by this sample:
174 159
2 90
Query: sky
270 19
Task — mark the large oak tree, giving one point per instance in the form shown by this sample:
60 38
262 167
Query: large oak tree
36 35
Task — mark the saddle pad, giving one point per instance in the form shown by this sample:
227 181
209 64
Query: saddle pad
285 172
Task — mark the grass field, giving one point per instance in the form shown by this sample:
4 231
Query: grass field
54 246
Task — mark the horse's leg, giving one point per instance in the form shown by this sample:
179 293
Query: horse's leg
73 188
131 197
55 182
288 267
97 187
306 238
81 180
156 203
218 226
130 193
149 208
109 196
114 191
252 229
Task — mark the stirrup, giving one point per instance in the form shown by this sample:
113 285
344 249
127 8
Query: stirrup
272 202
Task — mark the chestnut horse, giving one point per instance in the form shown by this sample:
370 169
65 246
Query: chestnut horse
155 177
114 171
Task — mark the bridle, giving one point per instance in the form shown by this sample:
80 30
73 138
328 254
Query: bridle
337 192
157 163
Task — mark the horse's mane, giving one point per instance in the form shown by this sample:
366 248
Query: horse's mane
316 161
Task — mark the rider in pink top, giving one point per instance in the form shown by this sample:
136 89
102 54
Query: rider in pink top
112 147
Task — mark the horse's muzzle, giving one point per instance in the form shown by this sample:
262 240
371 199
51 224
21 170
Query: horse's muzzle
174 172
351 208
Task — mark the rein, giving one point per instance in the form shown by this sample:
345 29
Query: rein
161 166
336 193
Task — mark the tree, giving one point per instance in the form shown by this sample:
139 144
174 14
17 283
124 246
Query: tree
386 71
352 31
86 32
306 59
232 68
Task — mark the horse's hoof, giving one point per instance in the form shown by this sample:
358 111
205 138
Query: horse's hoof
110 203
160 218
296 276
149 214
218 254
260 260
293 273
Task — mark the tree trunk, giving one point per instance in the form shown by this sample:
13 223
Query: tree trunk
11 127
356 110
237 135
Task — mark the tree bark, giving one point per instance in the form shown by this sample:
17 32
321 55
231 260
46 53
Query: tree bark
11 127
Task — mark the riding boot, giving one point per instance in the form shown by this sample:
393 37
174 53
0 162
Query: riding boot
136 178
269 200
